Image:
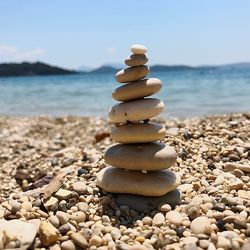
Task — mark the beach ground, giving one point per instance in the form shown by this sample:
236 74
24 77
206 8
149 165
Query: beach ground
213 162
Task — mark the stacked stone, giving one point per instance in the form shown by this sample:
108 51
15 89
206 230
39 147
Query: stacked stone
139 164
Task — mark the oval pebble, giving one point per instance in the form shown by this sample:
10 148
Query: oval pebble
78 216
136 60
156 183
158 219
80 187
138 133
83 206
68 245
62 217
147 220
199 224
151 156
174 217
136 90
138 49
137 110
132 74
95 241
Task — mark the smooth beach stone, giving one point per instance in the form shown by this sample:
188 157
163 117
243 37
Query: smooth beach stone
132 74
141 203
150 156
136 60
21 231
79 240
68 245
137 110
80 187
174 217
138 49
138 89
138 132
78 216
158 219
199 225
156 183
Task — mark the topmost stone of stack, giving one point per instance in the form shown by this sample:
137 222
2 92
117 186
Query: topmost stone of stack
138 49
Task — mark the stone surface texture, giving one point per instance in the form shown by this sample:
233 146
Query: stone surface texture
138 89
155 183
136 110
138 132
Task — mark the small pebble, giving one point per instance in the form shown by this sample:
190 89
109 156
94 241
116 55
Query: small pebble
138 49
82 206
165 208
80 187
78 216
199 225
174 218
68 245
158 219
62 217
193 212
147 220
95 241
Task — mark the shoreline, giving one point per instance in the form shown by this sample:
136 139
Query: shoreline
212 153
158 118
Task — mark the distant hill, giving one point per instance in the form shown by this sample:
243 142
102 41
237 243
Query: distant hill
39 68
235 66
155 68
31 69
168 68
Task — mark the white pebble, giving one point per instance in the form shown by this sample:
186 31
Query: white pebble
138 49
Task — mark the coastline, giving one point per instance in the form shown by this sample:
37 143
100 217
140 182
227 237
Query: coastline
33 147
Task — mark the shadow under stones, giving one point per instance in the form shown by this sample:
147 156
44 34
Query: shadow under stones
125 209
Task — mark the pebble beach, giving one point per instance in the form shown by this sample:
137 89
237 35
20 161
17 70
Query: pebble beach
50 199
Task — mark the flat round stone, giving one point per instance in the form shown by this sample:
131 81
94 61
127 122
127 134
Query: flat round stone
150 156
199 224
138 89
136 110
156 183
138 132
136 60
132 74
138 49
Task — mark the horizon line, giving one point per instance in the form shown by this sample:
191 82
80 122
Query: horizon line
112 65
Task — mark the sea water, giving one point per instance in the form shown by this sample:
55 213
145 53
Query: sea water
186 93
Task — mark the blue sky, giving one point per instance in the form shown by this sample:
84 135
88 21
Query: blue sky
79 32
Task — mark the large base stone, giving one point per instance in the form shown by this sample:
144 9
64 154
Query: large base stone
155 183
149 156
141 203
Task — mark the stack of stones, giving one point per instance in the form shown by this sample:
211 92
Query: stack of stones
138 163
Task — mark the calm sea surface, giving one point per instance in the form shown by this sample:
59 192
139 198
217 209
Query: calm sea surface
185 93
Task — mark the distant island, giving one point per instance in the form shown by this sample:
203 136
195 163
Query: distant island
32 69
39 68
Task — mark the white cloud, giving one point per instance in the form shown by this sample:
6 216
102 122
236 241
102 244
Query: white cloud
111 50
12 54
